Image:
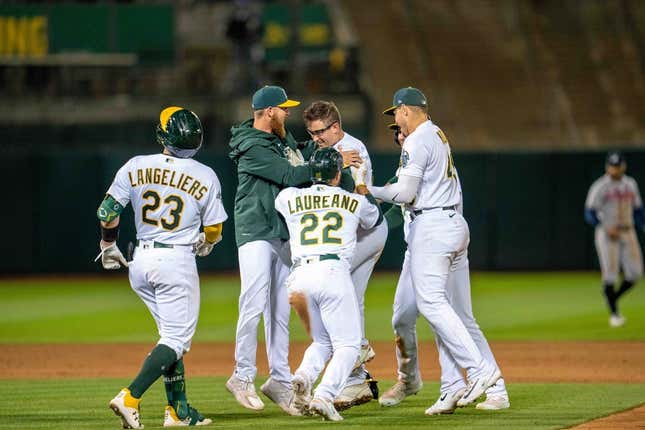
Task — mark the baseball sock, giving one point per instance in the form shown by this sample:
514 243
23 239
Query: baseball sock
156 363
611 298
624 287
175 385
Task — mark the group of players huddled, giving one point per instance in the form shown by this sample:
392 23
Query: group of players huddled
309 231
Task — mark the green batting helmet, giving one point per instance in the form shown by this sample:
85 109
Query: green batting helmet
180 131
325 164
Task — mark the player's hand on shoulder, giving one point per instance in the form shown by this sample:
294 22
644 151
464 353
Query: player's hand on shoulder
350 158
203 247
360 175
111 256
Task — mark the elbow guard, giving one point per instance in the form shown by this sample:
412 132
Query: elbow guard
109 209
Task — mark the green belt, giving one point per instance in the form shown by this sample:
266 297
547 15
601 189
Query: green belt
323 257
159 245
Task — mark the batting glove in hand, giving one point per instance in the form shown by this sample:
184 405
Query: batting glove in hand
204 247
111 256
360 174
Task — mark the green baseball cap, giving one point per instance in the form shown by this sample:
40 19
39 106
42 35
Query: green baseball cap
269 96
407 96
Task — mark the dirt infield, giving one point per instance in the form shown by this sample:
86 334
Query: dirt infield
520 361
620 362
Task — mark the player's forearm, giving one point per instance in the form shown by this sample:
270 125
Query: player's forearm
591 217
403 191
268 165
213 232
362 190
346 180
639 217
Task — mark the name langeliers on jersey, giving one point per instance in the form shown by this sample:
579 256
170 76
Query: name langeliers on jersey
185 183
313 202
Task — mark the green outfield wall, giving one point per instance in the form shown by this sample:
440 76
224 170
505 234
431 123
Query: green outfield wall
525 210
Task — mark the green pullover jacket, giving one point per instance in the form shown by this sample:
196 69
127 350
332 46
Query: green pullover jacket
263 170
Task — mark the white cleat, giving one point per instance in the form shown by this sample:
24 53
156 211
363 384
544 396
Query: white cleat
194 418
126 407
244 393
281 395
478 386
398 392
446 403
325 409
616 321
366 354
494 402
302 393
353 395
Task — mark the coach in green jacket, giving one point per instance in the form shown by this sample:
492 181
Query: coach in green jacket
268 159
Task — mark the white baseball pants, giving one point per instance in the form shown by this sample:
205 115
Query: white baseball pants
334 323
369 246
264 267
404 322
435 239
166 280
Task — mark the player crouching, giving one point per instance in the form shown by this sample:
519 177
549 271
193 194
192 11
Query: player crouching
322 222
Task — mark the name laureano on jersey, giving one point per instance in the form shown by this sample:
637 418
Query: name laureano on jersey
156 175
312 202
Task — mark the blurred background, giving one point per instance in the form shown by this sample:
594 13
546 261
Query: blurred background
531 93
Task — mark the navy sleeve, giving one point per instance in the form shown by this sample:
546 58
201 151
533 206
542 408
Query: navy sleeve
591 217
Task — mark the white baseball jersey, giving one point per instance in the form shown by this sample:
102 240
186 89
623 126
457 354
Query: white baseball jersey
171 197
426 155
323 220
614 200
350 143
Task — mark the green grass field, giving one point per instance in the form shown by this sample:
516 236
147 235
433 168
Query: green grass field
541 306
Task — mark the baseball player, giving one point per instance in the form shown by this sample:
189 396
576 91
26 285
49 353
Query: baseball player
268 159
437 236
172 196
614 206
324 124
322 222
404 324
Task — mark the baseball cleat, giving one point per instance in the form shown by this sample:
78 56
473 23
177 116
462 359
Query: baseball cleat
325 409
616 320
398 392
446 403
194 418
127 408
353 395
494 403
281 395
478 386
302 393
244 393
366 354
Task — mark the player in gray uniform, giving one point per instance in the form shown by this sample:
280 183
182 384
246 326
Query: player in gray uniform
172 196
614 206
324 124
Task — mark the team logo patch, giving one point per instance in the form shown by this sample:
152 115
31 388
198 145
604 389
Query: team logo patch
405 157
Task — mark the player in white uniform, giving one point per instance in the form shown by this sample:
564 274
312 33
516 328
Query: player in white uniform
172 196
614 206
404 323
438 234
324 124
322 222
